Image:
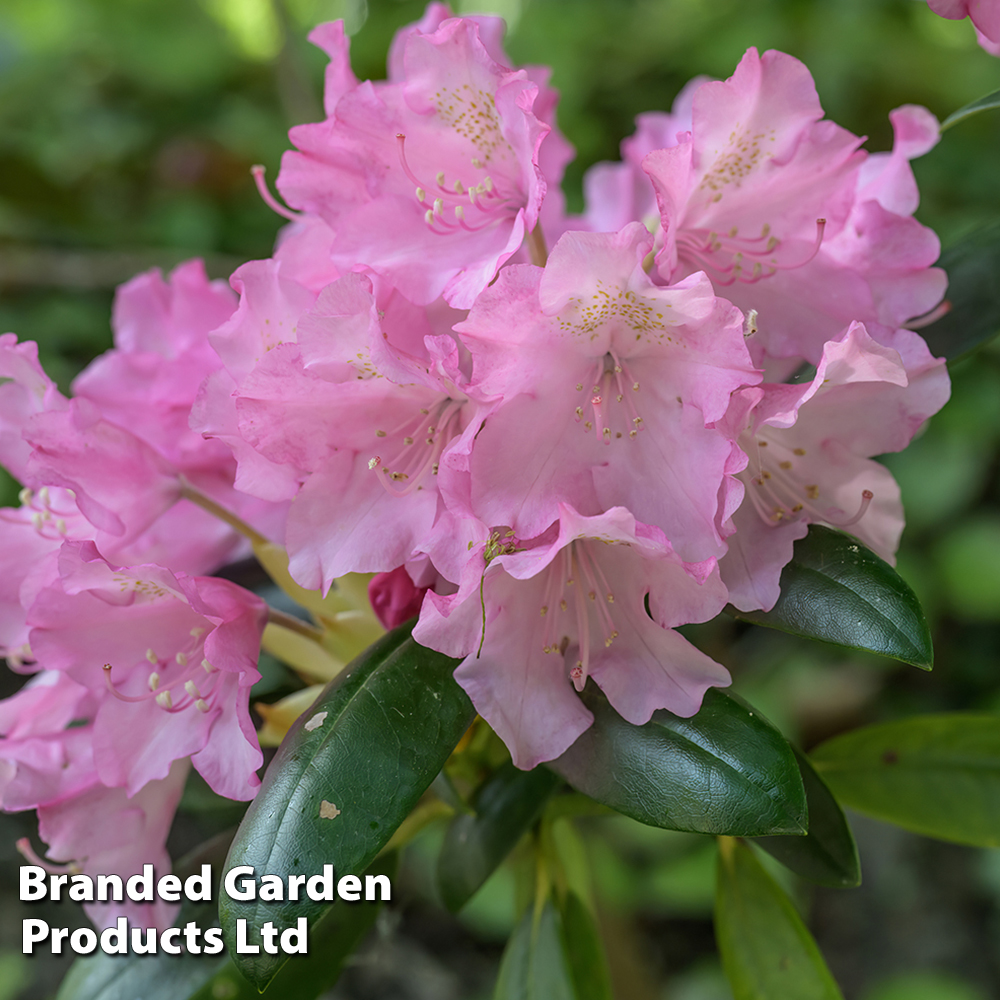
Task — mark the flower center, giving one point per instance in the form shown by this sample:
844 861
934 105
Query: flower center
418 444
577 603
746 259
777 491
175 685
52 512
449 207
612 400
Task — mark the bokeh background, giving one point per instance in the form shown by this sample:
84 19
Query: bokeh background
127 130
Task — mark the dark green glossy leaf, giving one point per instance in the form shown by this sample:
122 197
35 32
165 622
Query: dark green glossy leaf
584 950
986 103
337 934
725 770
347 774
534 965
159 976
152 977
506 806
938 775
973 264
766 950
827 854
837 590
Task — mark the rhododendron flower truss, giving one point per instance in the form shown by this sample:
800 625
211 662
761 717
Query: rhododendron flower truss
786 215
172 659
809 448
608 382
535 618
433 178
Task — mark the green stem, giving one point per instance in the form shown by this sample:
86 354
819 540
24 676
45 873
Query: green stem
192 493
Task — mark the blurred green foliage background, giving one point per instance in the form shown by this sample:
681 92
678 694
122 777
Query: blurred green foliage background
127 130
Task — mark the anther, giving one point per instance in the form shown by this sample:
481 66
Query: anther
152 657
202 705
154 681
164 700
421 194
25 496
207 667
182 660
192 689
374 463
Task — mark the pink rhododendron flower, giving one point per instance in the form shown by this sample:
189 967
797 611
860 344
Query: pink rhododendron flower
162 354
566 606
608 382
433 178
352 407
785 215
42 759
120 446
620 193
30 538
394 597
173 658
984 14
47 763
809 449
103 831
25 390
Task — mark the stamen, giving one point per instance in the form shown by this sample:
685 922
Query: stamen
27 852
866 498
123 697
272 203
164 700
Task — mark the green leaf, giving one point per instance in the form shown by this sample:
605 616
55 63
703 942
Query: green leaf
152 977
584 950
337 934
506 806
766 950
534 964
983 104
347 774
827 854
972 265
837 590
938 775
725 770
